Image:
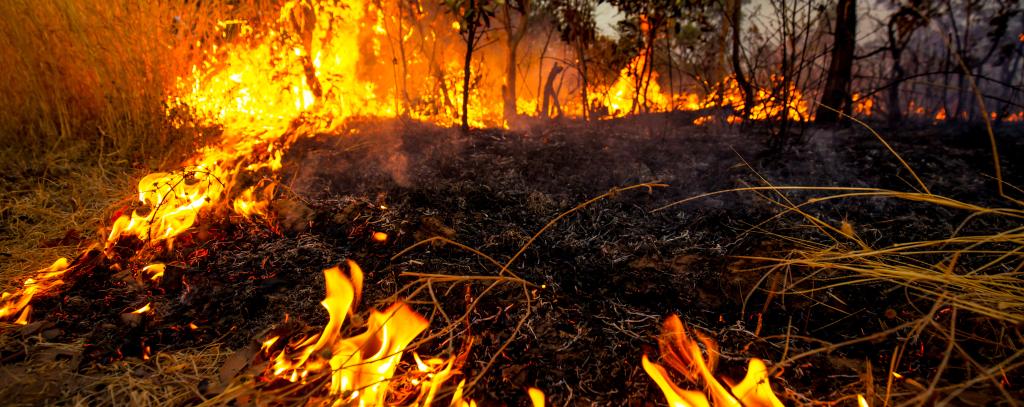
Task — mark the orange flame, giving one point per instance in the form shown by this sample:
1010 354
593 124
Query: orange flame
683 354
536 396
623 97
863 106
172 202
360 367
17 302
155 270
768 104
249 205
143 310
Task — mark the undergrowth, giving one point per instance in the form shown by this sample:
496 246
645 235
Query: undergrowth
91 78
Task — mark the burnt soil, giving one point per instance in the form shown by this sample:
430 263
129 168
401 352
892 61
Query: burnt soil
603 278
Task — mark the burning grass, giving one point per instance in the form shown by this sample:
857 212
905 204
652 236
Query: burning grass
584 296
229 249
52 212
95 75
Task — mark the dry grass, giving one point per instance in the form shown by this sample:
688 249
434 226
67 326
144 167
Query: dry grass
973 276
54 214
961 277
167 379
82 111
91 77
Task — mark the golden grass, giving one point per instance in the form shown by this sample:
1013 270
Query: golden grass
167 379
92 76
82 111
971 275
55 210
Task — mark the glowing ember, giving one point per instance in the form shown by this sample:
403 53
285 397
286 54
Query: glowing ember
683 354
380 237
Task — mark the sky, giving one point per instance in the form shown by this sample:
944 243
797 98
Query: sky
607 16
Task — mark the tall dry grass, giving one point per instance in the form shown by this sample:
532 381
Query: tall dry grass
82 109
85 77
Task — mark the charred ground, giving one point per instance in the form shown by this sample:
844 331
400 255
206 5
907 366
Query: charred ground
603 278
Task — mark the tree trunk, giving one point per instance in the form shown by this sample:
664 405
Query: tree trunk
472 21
836 96
736 16
466 71
671 79
509 95
514 37
896 52
582 55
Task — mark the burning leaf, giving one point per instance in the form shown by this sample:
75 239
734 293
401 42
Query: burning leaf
235 364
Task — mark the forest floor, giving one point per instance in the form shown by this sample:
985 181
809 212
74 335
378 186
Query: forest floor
602 279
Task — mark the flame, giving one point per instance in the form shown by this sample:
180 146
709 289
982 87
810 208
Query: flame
536 396
171 202
143 310
623 97
683 354
17 302
249 205
380 237
768 104
863 106
700 121
360 367
155 270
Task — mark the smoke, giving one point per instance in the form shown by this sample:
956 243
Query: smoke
369 155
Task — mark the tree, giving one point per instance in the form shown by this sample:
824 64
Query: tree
474 18
734 8
900 28
578 29
836 97
649 20
514 34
